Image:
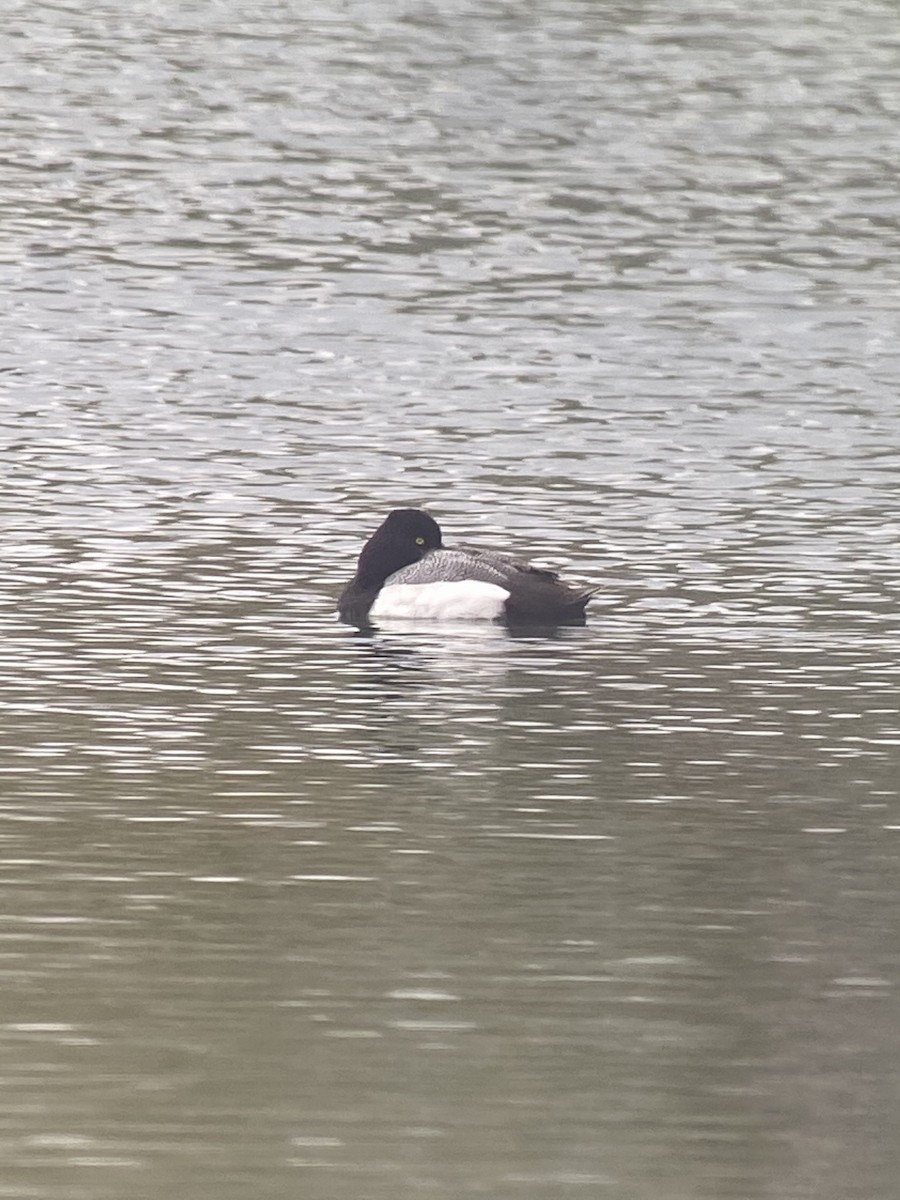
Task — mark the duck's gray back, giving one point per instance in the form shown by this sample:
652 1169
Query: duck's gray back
453 566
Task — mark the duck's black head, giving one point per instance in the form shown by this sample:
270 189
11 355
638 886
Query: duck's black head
403 537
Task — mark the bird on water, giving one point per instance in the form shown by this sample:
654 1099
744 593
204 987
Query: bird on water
405 570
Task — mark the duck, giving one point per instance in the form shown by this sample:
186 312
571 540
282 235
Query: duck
405 570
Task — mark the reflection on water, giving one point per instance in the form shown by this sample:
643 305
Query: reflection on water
290 910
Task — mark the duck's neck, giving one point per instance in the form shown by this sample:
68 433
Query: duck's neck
380 558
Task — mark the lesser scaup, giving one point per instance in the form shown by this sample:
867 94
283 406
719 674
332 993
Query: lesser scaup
404 570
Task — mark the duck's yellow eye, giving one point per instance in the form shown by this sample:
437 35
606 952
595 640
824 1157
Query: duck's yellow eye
420 541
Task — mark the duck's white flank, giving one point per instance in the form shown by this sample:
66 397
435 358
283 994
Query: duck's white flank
463 600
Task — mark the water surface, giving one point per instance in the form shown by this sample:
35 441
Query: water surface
443 912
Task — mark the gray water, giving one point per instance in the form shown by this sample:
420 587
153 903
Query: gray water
441 912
